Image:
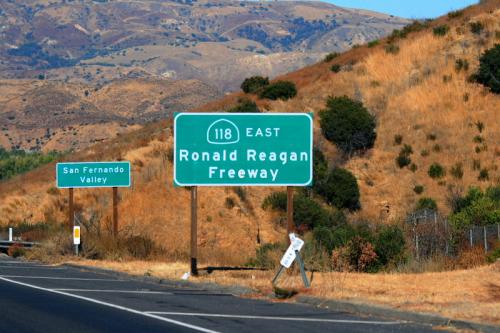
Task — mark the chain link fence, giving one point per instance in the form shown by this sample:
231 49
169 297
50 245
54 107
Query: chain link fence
431 234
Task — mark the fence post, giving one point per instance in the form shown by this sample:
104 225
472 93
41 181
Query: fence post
485 240
10 234
470 237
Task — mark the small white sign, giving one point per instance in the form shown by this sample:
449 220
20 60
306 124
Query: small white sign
289 257
76 235
296 242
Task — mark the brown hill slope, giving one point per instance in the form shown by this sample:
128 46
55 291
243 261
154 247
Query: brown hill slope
417 93
47 115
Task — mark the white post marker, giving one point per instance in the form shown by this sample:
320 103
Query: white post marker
10 234
292 253
76 237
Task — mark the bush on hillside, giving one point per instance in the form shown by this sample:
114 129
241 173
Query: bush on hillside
441 30
436 170
18 161
320 169
283 90
403 158
476 208
254 84
348 124
245 105
489 69
476 27
341 189
335 68
426 203
389 245
330 56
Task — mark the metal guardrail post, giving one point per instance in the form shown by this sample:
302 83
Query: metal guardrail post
485 239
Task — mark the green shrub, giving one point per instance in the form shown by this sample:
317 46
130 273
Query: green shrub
307 213
489 69
403 158
461 64
424 153
341 189
254 84
426 203
479 126
283 90
476 208
320 169
441 30
455 14
483 175
457 171
436 170
373 43
348 124
389 245
267 255
18 161
335 68
16 250
476 27
418 189
230 203
275 201
398 139
245 105
330 56
392 48
494 256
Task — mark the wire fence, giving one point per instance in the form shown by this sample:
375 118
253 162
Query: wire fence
431 234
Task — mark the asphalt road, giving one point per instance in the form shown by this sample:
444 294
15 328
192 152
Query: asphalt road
40 298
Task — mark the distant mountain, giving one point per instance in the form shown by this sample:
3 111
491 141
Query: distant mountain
219 42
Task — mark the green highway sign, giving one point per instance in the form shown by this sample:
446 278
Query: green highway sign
93 174
243 149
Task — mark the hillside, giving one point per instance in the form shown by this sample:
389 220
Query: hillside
52 115
417 92
219 42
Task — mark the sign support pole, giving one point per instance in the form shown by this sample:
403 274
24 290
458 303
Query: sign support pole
194 231
289 210
115 212
302 270
71 220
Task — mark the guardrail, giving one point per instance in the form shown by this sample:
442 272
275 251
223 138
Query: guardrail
5 244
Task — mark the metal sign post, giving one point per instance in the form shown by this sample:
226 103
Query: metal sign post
289 211
115 211
194 230
292 253
71 219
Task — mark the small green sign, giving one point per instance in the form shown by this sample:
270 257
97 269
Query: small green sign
93 174
243 149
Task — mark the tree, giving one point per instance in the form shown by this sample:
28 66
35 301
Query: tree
348 124
489 69
283 90
254 84
341 189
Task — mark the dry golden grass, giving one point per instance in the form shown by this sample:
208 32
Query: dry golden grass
463 294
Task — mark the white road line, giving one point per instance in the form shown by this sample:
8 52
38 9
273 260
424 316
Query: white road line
117 291
321 320
33 267
119 307
57 278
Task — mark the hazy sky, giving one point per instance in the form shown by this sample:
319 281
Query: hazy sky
407 8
